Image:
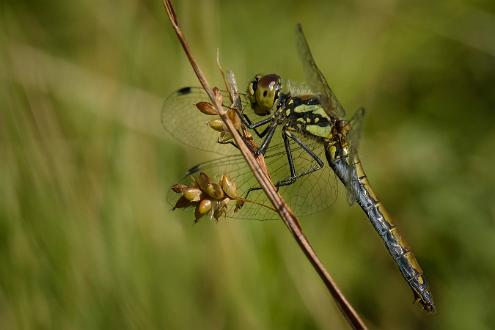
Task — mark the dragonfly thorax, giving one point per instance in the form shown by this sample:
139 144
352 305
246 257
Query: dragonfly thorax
302 113
306 115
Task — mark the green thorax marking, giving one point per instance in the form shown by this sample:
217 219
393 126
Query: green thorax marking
306 114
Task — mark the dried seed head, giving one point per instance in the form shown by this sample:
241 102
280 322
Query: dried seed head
192 194
218 94
221 209
207 108
228 187
234 118
238 204
215 191
217 125
182 203
225 136
203 180
178 187
202 208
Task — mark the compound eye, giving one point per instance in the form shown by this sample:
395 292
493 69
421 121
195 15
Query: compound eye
269 82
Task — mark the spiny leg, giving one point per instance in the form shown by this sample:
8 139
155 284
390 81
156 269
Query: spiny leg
249 124
293 175
246 121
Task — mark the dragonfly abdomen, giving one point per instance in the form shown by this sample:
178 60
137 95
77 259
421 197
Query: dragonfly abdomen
397 246
382 222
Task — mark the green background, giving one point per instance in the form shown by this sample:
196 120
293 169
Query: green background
86 236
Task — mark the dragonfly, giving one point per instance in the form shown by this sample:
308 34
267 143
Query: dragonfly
312 128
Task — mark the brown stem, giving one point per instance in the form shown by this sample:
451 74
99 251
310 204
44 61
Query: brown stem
260 173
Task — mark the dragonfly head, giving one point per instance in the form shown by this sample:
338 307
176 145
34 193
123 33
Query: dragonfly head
264 92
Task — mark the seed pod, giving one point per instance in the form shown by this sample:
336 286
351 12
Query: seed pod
182 203
228 187
234 118
225 136
207 108
220 209
203 208
192 194
217 125
239 203
178 187
218 95
202 181
215 191
218 214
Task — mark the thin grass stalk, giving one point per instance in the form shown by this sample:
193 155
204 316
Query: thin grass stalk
260 173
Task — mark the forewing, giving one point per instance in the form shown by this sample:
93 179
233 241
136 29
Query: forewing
309 194
315 78
183 121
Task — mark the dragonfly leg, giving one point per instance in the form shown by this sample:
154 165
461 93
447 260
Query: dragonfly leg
250 190
249 124
269 131
255 189
227 142
293 175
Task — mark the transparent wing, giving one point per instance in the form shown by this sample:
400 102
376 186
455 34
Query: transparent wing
309 194
182 120
353 138
315 78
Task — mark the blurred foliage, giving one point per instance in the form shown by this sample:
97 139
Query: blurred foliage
86 236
